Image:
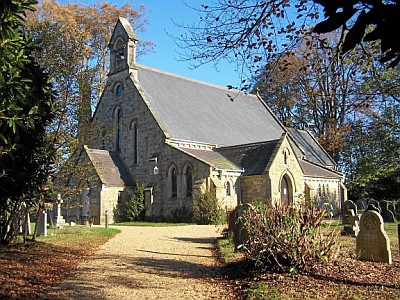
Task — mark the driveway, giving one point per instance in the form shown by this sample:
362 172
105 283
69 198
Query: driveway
150 263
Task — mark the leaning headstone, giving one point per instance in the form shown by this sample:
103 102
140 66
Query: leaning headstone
372 242
386 213
42 224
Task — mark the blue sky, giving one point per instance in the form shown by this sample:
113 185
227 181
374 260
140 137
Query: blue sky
161 15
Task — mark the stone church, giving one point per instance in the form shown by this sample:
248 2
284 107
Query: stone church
176 135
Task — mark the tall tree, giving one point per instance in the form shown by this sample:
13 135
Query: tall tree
26 108
309 88
255 33
372 156
74 38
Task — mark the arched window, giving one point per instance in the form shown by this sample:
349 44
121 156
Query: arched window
120 54
286 154
173 181
119 89
118 125
227 188
135 140
189 181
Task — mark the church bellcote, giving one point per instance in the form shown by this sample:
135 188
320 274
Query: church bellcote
122 47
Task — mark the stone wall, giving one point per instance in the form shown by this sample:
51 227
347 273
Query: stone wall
285 163
254 188
326 190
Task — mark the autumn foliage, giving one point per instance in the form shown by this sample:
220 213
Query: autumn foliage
285 238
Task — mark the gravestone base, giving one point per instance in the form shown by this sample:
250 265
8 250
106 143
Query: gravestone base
59 221
352 230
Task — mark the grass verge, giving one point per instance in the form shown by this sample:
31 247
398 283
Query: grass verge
28 270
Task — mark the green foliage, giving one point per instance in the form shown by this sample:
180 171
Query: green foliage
181 214
135 204
206 209
372 157
227 250
26 108
259 290
285 238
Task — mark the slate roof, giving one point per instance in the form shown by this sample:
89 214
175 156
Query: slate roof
212 158
253 158
109 167
306 145
312 170
194 111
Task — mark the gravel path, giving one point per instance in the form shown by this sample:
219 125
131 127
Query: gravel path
150 263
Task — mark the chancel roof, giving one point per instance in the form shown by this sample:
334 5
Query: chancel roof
109 167
306 145
312 170
194 111
253 158
212 158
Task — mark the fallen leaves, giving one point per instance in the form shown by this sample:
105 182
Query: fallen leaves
29 270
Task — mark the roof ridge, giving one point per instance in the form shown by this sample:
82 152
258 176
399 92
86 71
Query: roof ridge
234 91
248 144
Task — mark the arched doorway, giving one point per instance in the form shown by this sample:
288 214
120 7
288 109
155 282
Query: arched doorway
286 190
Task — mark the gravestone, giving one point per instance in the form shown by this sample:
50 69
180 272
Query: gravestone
386 213
374 203
350 218
58 218
372 242
362 204
349 210
42 224
238 233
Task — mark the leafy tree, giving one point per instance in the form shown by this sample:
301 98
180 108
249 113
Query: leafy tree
74 40
26 108
372 156
254 33
309 88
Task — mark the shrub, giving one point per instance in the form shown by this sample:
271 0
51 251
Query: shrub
181 214
206 209
132 208
285 238
135 204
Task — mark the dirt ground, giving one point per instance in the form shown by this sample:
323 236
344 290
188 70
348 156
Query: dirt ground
150 263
